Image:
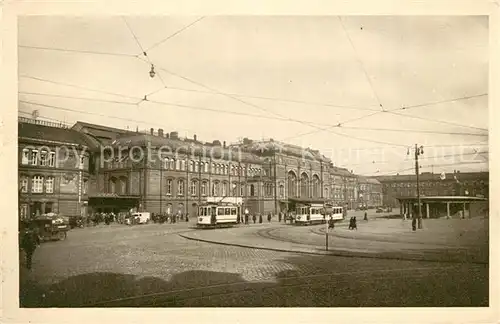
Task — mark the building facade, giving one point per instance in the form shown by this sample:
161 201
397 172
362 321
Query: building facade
160 172
369 193
53 169
474 184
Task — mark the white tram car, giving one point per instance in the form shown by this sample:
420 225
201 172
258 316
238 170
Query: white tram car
309 214
225 212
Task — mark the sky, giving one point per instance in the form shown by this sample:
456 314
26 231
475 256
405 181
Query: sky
336 84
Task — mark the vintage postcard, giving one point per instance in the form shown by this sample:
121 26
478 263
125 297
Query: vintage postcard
287 161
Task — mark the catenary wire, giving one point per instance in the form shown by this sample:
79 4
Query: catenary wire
174 34
78 98
75 51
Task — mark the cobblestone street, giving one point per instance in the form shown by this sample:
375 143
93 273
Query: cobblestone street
151 265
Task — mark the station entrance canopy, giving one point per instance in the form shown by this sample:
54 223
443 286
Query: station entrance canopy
435 205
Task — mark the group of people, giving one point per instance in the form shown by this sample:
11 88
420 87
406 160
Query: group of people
163 218
254 217
353 223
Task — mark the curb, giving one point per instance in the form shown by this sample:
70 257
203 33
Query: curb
337 253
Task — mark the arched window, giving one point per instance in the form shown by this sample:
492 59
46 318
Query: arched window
177 164
224 189
304 185
166 163
123 185
112 185
292 184
234 189
197 166
204 188
191 166
316 186
215 189
325 193
252 190
23 184
282 191
205 167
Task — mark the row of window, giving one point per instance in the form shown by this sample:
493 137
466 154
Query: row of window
35 157
41 184
201 166
44 158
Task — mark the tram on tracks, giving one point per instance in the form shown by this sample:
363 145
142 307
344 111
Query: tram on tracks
220 212
314 213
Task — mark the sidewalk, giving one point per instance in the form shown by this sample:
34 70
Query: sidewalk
444 242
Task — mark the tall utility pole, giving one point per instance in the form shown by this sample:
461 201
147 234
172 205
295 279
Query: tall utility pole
275 178
418 151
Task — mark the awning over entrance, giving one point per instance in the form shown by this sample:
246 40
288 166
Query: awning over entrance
113 202
438 206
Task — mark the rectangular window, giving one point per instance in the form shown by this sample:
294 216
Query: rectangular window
166 163
49 185
52 159
23 184
242 190
37 184
169 187
81 164
180 187
220 211
85 186
34 157
43 158
227 211
233 211
25 157
193 187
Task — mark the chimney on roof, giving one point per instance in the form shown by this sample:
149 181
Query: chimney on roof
174 135
194 137
160 132
152 131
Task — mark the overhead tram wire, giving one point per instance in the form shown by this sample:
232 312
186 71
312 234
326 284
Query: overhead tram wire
265 110
81 87
76 51
174 34
361 64
394 172
142 49
426 158
77 98
97 114
139 100
392 111
274 99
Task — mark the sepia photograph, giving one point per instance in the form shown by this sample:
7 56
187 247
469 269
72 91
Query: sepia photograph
253 161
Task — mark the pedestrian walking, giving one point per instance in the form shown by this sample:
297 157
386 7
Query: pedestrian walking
254 218
260 218
354 224
279 217
351 223
366 216
29 242
269 217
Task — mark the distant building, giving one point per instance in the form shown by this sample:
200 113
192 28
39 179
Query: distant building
369 193
53 169
474 184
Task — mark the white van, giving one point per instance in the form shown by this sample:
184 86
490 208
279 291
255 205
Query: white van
140 218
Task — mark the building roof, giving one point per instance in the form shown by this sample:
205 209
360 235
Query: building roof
444 198
268 146
427 176
170 145
36 131
362 179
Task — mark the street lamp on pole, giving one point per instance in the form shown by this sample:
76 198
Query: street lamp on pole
418 151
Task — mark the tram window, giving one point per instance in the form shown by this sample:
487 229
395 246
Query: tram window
220 211
202 211
227 211
233 211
